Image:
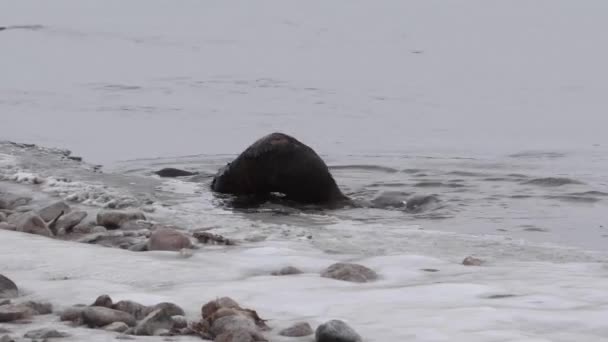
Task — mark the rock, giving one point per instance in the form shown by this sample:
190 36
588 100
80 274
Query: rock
139 247
125 335
2 217
350 272
105 301
289 270
167 239
67 222
232 323
169 308
5 302
30 223
8 289
7 226
173 172
211 307
138 311
98 229
235 336
113 219
6 338
99 316
471 261
212 239
72 314
157 319
39 308
116 327
45 333
179 322
9 313
10 201
136 225
51 212
336 331
297 330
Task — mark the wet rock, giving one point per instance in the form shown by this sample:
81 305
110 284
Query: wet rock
179 322
30 223
297 330
139 247
52 211
173 172
420 203
6 338
136 225
113 219
10 313
105 301
212 239
8 289
7 226
85 227
336 331
472 261
98 316
72 314
67 222
156 320
390 199
211 307
289 270
116 327
350 272
45 333
235 336
2 217
138 311
10 201
167 239
232 323
39 308
99 229
169 308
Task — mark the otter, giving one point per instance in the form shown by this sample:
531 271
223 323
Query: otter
279 163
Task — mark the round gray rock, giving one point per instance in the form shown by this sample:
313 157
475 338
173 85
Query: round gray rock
67 222
8 289
336 331
51 212
98 316
155 321
167 239
350 272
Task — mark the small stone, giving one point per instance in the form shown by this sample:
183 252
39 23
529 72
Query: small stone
179 322
138 311
30 223
169 308
472 261
10 313
289 270
72 314
52 211
113 219
7 226
116 327
235 336
67 222
167 239
232 323
336 331
45 333
350 272
99 316
297 330
103 300
157 319
8 289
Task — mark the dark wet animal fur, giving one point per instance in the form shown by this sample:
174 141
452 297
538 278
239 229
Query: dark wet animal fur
278 163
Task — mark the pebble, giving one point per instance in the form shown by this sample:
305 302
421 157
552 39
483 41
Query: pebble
113 219
8 289
350 272
99 316
45 333
336 331
52 211
154 321
167 239
297 330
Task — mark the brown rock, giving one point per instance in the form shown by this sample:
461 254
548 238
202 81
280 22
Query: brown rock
113 219
103 300
232 323
235 336
350 272
153 322
99 316
472 261
52 211
72 314
30 223
138 311
11 312
39 308
167 239
169 308
67 222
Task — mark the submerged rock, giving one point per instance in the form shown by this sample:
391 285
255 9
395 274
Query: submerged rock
350 272
336 331
169 308
2 217
116 327
167 239
11 312
137 310
98 316
72 314
472 261
30 223
39 308
53 211
67 222
289 270
8 289
232 323
297 330
153 322
113 219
